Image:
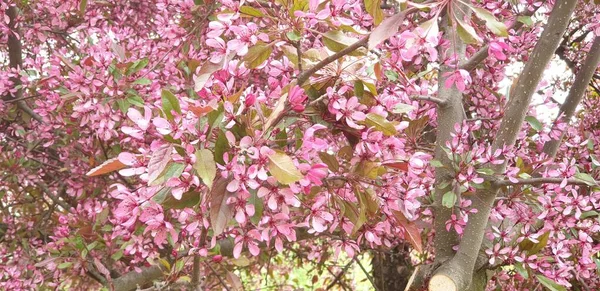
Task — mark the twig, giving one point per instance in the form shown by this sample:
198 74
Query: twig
217 275
537 181
339 275
303 77
436 100
366 273
22 98
54 199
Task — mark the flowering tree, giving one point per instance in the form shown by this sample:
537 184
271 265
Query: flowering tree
177 140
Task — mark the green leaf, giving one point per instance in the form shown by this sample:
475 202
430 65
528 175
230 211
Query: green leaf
542 242
525 20
161 195
359 88
521 270
535 124
169 103
336 41
221 146
495 26
436 164
173 170
362 211
136 100
251 11
330 160
586 178
391 75
205 166
188 199
259 206
142 81
293 36
82 6
123 105
282 138
373 7
257 54
590 213
466 32
380 123
283 169
402 108
136 66
65 265
485 171
449 199
117 255
551 285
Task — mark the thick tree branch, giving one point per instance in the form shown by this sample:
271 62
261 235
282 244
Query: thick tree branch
131 280
196 271
16 61
447 116
576 93
457 274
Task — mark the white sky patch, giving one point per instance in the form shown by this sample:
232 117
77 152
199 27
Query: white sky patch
556 70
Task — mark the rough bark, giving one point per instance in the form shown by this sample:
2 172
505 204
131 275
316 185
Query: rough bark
391 270
457 274
15 57
133 279
449 113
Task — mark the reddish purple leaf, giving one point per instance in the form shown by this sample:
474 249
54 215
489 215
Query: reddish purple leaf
386 29
158 161
220 211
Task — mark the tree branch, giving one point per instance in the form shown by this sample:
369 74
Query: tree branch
435 100
217 275
196 273
537 181
457 273
303 77
340 274
576 93
16 62
133 279
447 116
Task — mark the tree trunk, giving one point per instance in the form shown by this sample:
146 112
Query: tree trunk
391 270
